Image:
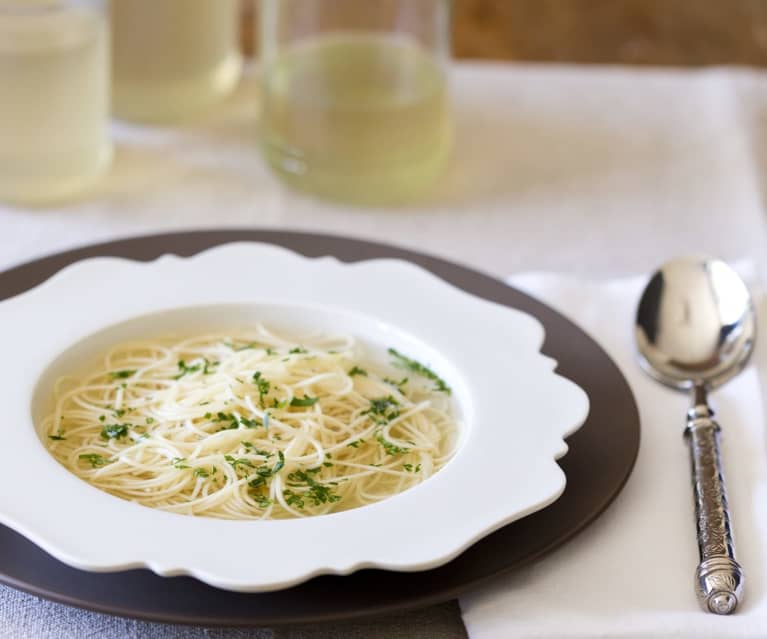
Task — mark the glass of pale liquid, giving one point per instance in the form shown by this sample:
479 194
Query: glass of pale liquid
354 96
173 58
54 98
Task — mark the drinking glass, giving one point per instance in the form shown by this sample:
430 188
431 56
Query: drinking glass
54 98
354 95
172 58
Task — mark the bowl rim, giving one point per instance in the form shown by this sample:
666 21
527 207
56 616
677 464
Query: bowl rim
548 408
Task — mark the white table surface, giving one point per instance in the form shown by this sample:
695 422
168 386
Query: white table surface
595 171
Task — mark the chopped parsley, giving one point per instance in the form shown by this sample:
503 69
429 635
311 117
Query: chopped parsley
304 401
419 369
185 369
389 447
246 347
208 367
393 382
293 499
124 374
251 448
316 492
412 469
383 409
226 417
95 460
236 463
114 431
150 420
58 437
298 350
262 500
200 472
356 443
356 370
179 462
249 423
263 386
264 472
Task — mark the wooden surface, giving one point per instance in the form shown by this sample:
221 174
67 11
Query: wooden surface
663 32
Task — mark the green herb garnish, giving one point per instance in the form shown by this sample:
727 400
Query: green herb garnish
383 409
59 437
207 369
356 370
237 462
246 347
424 371
389 447
227 417
179 462
185 369
200 472
315 491
262 500
95 460
114 431
264 472
304 401
263 386
297 350
293 499
124 374
251 448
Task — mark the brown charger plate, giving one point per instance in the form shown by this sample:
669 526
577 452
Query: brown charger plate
600 459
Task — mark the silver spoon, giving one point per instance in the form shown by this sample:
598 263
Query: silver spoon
695 330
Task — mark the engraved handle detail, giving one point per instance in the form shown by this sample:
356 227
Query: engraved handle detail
719 578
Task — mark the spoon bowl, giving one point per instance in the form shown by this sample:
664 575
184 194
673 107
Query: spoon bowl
695 324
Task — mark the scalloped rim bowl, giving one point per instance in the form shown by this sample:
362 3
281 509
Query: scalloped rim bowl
514 413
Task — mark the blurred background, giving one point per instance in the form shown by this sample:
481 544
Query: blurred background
650 32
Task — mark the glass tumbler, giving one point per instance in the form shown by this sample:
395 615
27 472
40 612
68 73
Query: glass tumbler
173 58
354 95
54 98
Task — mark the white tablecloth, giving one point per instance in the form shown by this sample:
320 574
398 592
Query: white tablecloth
593 171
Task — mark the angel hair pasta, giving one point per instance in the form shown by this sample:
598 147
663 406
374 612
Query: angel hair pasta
251 425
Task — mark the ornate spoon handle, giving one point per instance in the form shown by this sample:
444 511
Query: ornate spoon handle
719 578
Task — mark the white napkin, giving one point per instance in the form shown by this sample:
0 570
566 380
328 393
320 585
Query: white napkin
630 573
